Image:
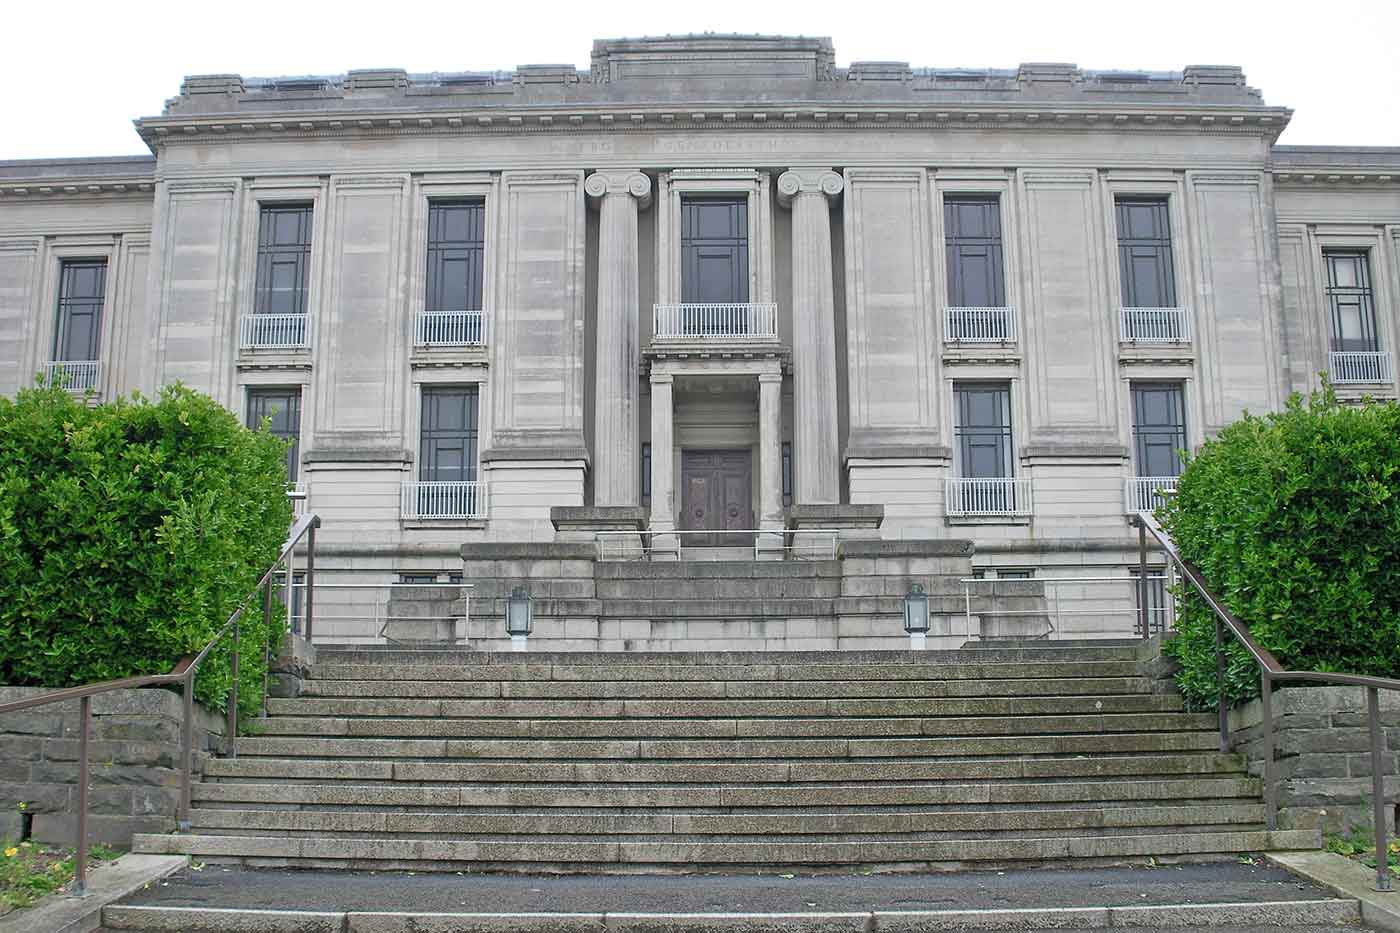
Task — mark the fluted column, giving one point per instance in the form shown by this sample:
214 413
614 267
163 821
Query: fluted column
816 458
618 196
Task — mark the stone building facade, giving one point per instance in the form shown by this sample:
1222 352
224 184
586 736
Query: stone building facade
719 285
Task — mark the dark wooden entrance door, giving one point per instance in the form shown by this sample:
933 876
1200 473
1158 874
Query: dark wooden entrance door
717 496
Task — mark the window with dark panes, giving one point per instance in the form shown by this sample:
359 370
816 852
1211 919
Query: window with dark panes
1145 253
982 430
646 473
1159 428
714 250
284 259
1350 301
456 252
448 451
82 283
787 473
282 410
972 237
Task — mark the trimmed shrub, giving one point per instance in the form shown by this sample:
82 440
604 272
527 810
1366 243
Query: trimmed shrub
129 533
1294 519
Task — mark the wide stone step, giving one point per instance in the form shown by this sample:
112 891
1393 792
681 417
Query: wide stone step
703 772
767 674
733 728
510 795
990 652
766 823
451 855
722 588
717 570
906 747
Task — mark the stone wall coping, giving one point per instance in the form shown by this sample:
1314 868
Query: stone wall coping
1296 700
601 518
529 550
839 516
945 547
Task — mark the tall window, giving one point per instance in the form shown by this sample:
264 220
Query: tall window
1159 428
1145 253
456 251
283 409
81 286
448 451
1350 302
972 228
284 259
714 250
982 430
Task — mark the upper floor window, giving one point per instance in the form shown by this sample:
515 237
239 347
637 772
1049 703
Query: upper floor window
1350 303
972 231
456 249
1159 428
282 408
1145 253
982 430
714 250
82 284
284 259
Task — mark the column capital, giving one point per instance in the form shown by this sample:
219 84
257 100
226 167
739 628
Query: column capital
770 377
627 181
798 181
662 379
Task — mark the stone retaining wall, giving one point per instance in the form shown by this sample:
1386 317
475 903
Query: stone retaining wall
1323 755
134 751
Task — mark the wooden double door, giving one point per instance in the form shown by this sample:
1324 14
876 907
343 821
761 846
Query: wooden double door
717 496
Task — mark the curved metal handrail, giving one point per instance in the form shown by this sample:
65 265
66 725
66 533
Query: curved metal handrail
1270 670
182 673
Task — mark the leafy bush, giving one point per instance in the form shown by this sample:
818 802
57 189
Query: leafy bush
1294 519
129 533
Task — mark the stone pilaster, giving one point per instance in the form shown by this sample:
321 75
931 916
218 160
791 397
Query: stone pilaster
663 499
770 434
615 429
817 463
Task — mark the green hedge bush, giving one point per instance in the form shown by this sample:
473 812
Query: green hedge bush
129 532
1294 518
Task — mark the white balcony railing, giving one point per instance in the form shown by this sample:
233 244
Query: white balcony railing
1154 325
439 500
1007 497
978 325
450 329
753 320
1146 493
274 332
1358 366
73 375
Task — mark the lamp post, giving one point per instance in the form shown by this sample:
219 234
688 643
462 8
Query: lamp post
916 616
520 614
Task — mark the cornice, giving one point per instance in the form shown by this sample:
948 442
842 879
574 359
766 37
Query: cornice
833 116
39 188
1326 177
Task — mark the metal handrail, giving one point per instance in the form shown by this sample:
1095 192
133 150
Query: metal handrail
1270 670
182 673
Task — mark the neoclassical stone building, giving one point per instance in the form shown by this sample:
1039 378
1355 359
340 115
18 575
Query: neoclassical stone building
716 285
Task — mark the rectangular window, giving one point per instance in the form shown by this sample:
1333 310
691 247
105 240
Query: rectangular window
284 259
972 231
1350 302
282 408
787 474
714 250
456 247
448 451
646 473
982 430
1159 428
81 287
1145 253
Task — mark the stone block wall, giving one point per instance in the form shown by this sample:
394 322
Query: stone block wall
134 752
1323 755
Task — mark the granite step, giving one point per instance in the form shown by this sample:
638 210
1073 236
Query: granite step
1001 651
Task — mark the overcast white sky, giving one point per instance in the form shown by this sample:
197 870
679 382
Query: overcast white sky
74 74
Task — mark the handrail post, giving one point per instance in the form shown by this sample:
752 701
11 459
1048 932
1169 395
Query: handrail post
231 729
186 752
310 573
84 726
1266 695
1142 578
1373 715
267 645
1222 707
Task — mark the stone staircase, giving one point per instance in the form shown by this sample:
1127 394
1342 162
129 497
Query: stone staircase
455 760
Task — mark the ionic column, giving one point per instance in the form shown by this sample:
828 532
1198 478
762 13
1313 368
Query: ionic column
817 461
618 196
663 498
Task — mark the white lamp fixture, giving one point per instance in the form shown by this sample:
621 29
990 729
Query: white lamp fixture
520 613
916 616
